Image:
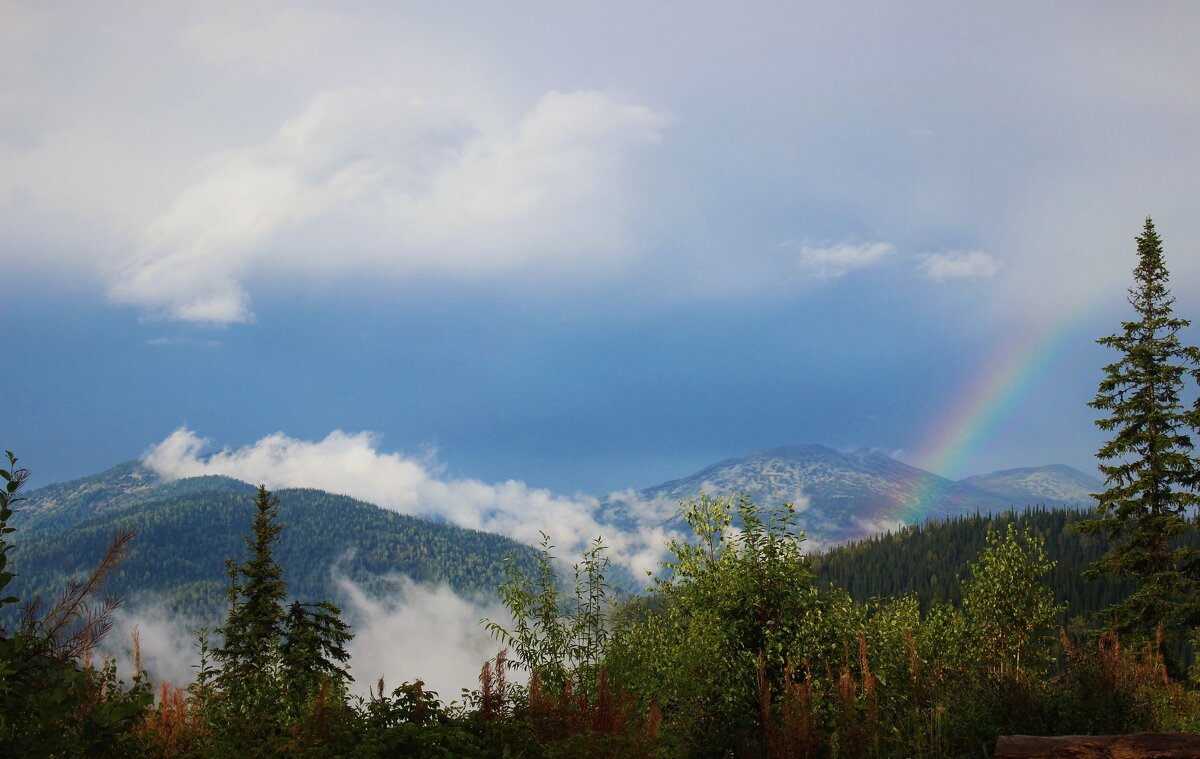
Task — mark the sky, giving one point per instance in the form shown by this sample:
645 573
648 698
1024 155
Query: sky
564 249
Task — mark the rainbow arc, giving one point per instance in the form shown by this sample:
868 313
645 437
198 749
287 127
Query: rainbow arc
1009 376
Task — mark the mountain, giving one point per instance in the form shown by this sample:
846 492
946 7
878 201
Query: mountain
842 496
1055 485
64 505
61 505
186 529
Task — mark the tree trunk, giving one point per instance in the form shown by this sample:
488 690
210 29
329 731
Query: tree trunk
1137 746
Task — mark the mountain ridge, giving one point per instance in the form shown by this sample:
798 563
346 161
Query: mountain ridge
186 529
848 495
840 496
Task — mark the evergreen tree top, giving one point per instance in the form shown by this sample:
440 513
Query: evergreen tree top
254 626
1148 464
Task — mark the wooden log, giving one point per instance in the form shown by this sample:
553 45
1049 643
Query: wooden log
1136 746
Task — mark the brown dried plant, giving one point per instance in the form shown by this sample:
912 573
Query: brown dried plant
75 623
493 688
796 737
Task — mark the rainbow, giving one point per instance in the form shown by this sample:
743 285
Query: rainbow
1006 378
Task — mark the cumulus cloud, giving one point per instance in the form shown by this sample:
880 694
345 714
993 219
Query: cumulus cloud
106 130
835 261
352 464
377 179
958 264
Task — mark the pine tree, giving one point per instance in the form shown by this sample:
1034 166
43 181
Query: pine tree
1148 464
252 631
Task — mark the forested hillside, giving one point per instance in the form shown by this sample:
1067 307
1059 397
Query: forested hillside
185 533
928 560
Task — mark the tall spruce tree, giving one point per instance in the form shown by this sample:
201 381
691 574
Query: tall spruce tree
1150 470
252 631
273 663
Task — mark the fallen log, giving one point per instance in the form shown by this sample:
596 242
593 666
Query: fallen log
1135 746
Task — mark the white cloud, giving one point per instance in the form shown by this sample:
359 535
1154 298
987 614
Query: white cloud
168 642
835 261
629 504
420 631
376 179
425 632
114 135
119 141
352 464
958 264
869 526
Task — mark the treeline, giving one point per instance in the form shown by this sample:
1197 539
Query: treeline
929 560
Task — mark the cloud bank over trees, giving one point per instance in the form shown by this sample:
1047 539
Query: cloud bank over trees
420 631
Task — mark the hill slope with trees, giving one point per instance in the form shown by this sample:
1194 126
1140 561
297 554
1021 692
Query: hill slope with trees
186 531
929 560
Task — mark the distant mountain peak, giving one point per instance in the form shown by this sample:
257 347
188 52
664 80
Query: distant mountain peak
840 495
63 503
848 495
1055 484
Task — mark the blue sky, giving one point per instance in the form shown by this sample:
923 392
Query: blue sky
580 248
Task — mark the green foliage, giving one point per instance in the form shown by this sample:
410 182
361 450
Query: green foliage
254 626
1010 611
313 652
280 685
56 707
412 721
13 478
928 560
558 639
746 657
51 704
726 599
1149 467
979 670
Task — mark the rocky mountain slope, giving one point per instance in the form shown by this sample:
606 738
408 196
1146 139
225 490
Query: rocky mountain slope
1055 485
843 496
